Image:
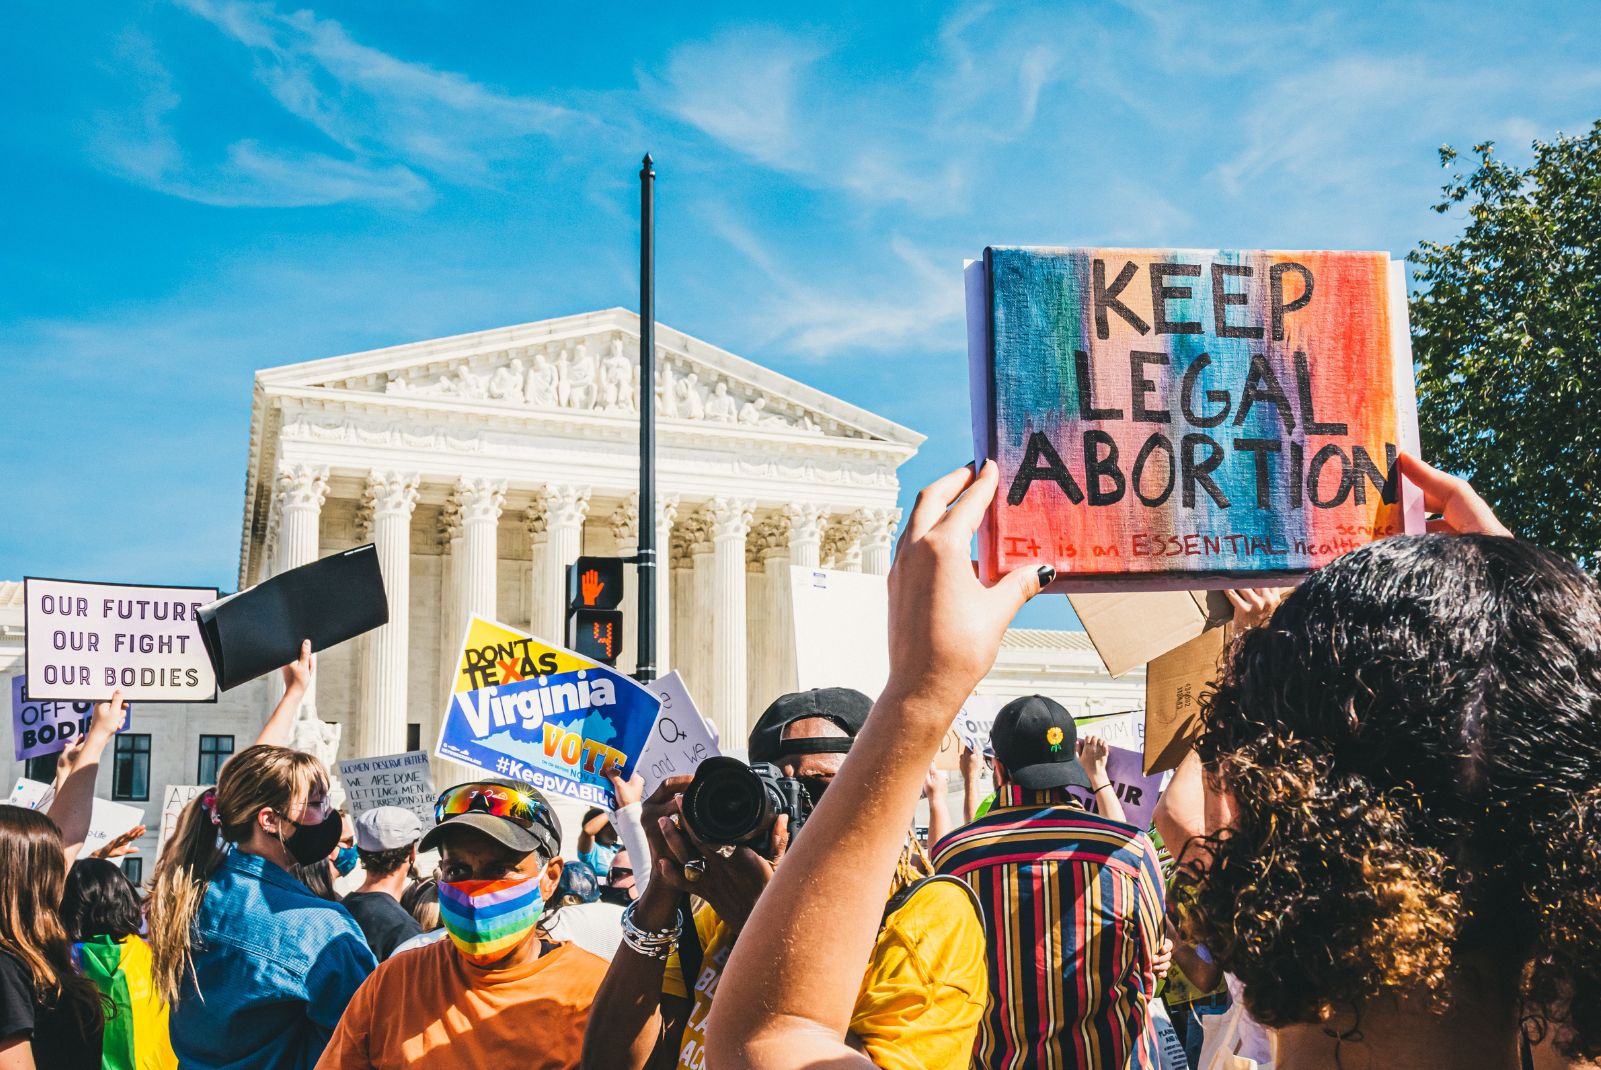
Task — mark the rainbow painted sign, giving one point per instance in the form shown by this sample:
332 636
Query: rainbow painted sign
1181 418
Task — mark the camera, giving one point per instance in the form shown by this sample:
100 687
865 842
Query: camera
730 802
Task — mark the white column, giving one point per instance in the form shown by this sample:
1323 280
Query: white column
480 501
703 577
564 508
780 671
390 497
728 521
806 524
302 489
767 561
666 513
878 538
449 536
538 546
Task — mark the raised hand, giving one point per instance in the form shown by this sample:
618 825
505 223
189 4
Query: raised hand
298 673
1254 606
1461 510
945 626
122 845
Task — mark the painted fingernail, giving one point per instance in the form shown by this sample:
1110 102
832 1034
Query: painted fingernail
1047 574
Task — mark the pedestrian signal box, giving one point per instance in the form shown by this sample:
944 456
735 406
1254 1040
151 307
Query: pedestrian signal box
594 623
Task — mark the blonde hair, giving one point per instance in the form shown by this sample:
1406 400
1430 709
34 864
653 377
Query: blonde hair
257 778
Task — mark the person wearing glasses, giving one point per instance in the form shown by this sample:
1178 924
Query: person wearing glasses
256 968
495 993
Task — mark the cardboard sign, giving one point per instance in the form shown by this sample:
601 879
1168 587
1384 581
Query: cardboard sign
526 710
107 820
261 628
50 727
1173 686
173 799
404 780
1129 629
1136 791
1172 419
86 640
679 740
841 629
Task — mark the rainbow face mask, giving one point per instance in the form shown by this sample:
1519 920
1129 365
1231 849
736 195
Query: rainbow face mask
486 919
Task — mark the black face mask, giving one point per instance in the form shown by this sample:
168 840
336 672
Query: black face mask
312 843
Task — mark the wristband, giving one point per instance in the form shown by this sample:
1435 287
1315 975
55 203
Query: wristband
652 943
1103 787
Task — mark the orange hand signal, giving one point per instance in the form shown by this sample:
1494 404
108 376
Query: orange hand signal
591 586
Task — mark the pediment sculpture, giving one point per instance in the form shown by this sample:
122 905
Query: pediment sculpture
569 375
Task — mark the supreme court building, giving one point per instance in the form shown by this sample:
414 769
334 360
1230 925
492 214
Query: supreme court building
482 465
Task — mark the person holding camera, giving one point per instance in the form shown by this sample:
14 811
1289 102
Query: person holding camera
716 840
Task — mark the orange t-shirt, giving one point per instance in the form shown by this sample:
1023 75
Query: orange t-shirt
428 1007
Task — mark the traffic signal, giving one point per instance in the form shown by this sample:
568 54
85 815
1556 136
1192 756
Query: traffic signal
594 623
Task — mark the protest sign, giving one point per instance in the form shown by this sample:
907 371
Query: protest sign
173 799
86 640
404 780
107 820
261 628
48 727
841 629
1173 686
523 709
1125 730
977 717
1130 628
679 740
1173 419
1136 791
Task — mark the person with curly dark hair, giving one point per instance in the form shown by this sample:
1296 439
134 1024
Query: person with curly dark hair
1403 776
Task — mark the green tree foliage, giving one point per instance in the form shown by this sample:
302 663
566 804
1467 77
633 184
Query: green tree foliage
1506 326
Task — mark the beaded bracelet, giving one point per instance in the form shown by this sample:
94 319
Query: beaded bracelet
654 944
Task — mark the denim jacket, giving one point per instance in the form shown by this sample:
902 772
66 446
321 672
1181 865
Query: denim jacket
274 967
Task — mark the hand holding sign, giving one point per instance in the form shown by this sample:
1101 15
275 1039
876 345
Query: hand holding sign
1461 510
298 674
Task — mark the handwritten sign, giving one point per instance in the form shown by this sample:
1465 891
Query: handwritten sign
86 640
679 740
49 727
1136 791
107 820
975 720
526 710
1188 417
404 780
173 799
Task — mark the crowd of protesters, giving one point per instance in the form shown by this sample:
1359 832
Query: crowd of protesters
1381 852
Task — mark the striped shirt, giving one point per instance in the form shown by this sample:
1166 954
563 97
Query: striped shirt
1073 912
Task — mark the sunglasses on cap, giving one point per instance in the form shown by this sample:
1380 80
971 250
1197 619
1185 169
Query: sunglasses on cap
497 800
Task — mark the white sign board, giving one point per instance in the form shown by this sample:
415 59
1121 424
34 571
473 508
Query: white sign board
973 724
404 780
679 740
86 640
1126 730
173 800
107 820
841 629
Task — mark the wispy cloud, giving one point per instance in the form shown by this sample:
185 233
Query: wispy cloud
378 128
911 299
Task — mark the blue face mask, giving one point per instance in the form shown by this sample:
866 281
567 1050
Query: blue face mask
345 860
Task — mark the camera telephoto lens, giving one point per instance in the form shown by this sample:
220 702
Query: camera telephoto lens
727 802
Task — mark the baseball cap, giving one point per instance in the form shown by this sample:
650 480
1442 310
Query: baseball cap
512 814
386 828
842 705
1036 740
578 880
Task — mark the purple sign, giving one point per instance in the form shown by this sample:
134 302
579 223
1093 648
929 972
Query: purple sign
41 727
1137 792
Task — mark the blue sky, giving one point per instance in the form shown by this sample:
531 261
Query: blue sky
199 189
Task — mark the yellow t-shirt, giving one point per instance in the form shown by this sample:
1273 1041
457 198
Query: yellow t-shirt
922 998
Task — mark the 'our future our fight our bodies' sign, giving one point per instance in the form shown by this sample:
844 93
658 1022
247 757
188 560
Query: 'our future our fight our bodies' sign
526 710
1188 418
86 640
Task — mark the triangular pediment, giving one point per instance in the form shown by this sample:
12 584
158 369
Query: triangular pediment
589 364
